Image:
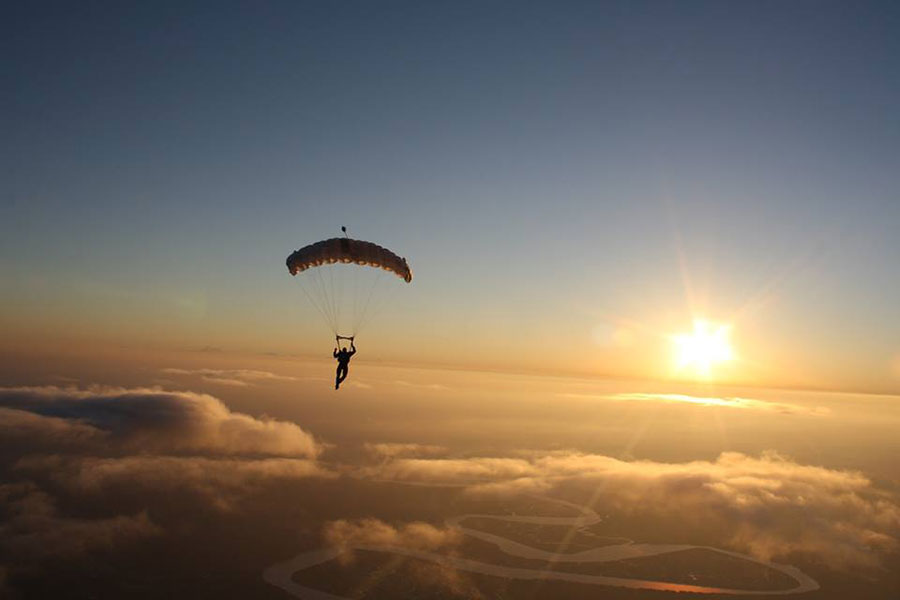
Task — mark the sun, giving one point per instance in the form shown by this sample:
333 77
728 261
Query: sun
705 347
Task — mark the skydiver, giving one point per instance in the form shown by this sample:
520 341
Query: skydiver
343 358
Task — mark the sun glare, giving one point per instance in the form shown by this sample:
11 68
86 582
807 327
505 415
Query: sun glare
705 347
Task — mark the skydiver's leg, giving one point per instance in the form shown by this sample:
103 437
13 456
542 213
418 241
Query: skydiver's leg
340 376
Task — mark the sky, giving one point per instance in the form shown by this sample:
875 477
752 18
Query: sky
650 344
559 176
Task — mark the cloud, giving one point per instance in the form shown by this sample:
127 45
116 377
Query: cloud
33 529
219 483
157 421
725 401
102 438
232 377
452 470
22 429
359 384
393 450
772 506
373 532
423 386
89 469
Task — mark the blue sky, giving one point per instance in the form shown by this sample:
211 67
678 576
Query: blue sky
541 165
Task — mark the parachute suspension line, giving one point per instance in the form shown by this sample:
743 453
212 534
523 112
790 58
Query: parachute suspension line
313 301
335 299
307 289
339 295
316 296
340 290
355 298
322 295
362 316
327 299
382 300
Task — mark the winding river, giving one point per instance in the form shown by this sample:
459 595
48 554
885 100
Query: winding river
281 574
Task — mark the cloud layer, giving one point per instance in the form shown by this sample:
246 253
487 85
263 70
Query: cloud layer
710 401
32 527
122 452
232 377
773 506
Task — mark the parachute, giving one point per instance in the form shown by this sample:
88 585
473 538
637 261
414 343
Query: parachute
343 279
346 250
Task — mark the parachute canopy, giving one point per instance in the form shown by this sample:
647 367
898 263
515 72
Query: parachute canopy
340 283
346 250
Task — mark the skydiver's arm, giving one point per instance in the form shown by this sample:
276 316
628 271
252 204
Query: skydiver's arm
334 354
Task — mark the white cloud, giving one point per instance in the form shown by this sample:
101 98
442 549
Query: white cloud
232 377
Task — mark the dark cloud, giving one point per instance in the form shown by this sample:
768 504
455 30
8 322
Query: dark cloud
21 430
33 529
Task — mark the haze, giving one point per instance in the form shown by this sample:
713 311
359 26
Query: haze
650 345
